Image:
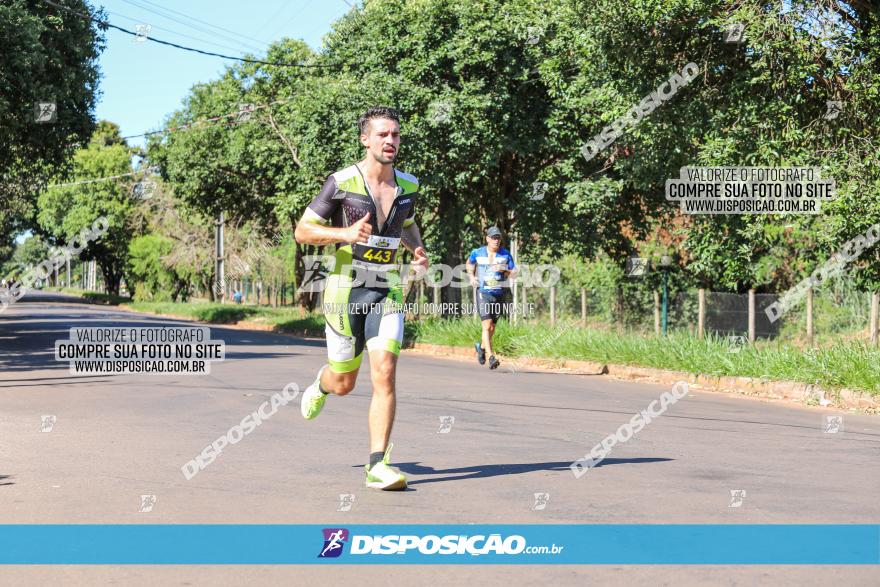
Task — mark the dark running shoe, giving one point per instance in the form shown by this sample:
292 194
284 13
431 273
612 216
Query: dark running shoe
481 354
493 362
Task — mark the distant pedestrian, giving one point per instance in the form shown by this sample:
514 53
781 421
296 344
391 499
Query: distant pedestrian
490 269
236 297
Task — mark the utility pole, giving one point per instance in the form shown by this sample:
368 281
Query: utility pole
219 276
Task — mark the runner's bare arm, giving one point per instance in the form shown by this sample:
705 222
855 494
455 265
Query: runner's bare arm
411 237
471 269
310 230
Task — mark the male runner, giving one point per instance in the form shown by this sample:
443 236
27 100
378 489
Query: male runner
495 266
367 210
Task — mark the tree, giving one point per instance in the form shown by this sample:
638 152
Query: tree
28 253
498 97
64 211
48 56
176 250
758 103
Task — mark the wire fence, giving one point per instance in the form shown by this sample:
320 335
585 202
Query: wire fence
838 311
823 314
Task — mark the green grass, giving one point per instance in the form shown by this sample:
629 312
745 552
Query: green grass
285 319
848 364
93 297
843 364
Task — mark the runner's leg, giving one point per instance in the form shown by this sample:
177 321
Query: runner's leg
345 321
383 366
384 333
488 332
484 307
338 383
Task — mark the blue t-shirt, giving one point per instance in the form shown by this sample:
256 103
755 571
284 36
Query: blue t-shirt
491 281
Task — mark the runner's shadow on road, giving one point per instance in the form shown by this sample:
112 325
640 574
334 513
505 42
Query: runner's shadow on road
480 471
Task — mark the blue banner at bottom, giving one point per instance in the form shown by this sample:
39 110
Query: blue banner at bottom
247 544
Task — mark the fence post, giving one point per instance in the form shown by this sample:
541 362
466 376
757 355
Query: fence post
437 298
701 317
552 305
810 316
584 306
476 301
875 317
752 316
656 312
514 251
525 301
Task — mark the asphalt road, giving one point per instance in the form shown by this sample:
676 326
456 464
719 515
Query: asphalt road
118 437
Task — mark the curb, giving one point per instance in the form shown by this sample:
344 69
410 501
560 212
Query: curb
804 393
240 325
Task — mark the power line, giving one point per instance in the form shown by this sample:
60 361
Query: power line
275 15
83 181
173 129
206 120
107 24
261 42
199 28
286 22
97 180
173 32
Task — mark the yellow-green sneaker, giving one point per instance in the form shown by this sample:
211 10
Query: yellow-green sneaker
382 476
313 399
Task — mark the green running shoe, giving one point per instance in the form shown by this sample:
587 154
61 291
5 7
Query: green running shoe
382 476
313 400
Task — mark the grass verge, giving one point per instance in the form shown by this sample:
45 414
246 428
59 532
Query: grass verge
844 364
93 297
281 319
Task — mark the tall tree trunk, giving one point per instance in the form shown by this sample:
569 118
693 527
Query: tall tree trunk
112 272
449 234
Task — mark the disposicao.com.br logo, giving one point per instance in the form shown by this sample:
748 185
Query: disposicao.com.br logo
479 544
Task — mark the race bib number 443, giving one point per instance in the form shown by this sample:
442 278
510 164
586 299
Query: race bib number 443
376 252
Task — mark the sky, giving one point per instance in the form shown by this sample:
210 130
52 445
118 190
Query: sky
143 82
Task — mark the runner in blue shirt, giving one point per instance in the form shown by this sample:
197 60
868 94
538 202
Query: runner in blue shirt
490 268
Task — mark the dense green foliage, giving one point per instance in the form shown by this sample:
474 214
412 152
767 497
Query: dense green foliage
844 364
496 95
64 211
47 56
